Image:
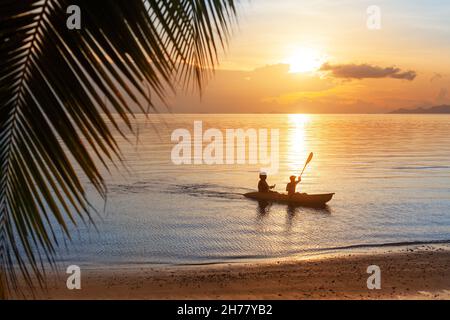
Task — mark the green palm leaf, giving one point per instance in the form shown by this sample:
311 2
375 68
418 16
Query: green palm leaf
53 114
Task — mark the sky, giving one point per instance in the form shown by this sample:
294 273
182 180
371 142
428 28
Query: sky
303 56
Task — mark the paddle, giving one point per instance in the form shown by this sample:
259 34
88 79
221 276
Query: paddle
307 161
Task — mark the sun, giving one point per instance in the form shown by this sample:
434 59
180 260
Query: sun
305 60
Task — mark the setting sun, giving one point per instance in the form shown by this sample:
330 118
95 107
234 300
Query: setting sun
305 60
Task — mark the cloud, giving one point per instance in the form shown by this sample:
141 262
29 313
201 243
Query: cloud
280 68
442 95
363 71
436 76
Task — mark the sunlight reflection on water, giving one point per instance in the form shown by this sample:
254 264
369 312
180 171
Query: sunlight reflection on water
297 150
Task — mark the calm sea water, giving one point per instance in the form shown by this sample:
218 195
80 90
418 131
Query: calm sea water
390 174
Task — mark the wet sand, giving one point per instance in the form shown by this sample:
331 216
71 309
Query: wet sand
414 272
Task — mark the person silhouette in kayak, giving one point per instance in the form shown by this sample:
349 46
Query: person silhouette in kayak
290 188
263 186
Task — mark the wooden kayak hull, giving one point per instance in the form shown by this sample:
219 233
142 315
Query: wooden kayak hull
299 199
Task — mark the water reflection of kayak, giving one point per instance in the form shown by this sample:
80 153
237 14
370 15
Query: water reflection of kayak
299 199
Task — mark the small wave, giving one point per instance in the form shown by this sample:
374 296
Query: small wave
195 190
218 259
386 244
207 190
135 187
421 167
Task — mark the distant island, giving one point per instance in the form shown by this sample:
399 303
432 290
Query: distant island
444 109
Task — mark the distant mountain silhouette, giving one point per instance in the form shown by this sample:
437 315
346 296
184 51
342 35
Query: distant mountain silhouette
444 109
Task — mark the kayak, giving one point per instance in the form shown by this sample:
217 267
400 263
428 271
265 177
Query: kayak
299 199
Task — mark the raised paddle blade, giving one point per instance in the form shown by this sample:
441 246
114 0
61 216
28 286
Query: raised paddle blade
307 161
309 158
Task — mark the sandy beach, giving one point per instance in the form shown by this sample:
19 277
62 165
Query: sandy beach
408 272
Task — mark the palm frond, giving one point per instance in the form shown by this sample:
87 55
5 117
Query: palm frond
53 84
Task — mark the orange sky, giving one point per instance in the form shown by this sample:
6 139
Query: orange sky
320 57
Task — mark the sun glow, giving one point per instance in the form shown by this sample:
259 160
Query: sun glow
305 60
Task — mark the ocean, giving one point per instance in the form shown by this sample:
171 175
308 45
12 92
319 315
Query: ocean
390 173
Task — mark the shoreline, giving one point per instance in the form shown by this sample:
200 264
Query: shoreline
297 255
407 272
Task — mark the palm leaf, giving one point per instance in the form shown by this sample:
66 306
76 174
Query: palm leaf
59 91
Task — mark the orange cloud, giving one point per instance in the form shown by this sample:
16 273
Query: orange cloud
364 71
